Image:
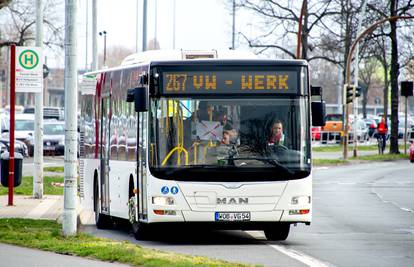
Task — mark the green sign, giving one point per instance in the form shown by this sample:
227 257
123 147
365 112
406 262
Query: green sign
28 59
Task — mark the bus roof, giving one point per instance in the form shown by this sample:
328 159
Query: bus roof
231 62
197 57
167 55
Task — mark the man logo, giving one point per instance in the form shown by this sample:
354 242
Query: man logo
232 201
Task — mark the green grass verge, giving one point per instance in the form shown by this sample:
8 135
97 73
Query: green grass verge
46 235
54 169
338 148
51 186
384 157
323 162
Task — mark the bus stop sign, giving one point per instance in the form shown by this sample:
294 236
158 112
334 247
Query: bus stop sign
29 69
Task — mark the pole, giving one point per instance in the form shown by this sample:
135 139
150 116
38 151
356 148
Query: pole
12 108
405 128
356 76
155 24
234 26
71 95
38 145
174 24
86 35
137 28
144 26
104 49
94 35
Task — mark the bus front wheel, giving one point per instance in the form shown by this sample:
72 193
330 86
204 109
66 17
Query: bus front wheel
277 232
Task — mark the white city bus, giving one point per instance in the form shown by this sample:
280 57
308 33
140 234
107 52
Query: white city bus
154 144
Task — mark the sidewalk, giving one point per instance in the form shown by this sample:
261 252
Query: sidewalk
50 207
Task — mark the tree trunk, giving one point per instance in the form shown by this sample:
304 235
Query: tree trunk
347 39
394 80
386 85
305 32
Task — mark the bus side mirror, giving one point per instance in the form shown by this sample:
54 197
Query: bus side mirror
318 113
317 106
139 96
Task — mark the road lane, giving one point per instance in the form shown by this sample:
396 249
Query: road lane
352 225
362 217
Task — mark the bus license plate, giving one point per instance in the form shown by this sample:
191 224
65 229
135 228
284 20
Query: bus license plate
232 216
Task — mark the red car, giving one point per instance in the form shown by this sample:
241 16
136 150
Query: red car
412 152
316 133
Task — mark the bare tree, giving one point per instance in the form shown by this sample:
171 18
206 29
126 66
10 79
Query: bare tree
20 21
4 3
367 73
280 23
394 8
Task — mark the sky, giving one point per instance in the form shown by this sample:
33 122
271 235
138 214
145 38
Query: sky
200 24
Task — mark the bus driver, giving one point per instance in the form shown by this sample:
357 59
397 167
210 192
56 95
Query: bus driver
276 135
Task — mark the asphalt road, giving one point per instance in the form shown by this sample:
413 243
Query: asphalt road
363 216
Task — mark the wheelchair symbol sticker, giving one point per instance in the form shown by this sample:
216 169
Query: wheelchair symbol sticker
165 190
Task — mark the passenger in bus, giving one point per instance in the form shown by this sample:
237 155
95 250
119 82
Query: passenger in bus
277 136
229 135
228 146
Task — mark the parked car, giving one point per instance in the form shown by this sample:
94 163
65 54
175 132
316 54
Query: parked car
412 152
54 137
333 128
24 130
19 147
362 131
48 112
4 124
316 133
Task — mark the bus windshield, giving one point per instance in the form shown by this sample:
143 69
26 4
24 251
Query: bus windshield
192 138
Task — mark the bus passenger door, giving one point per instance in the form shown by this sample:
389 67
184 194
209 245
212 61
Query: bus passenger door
105 150
142 165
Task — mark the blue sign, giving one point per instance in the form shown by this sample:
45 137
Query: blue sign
164 190
174 190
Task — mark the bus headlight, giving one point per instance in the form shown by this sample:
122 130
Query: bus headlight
163 201
301 200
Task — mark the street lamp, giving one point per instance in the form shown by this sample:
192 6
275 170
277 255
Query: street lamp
103 33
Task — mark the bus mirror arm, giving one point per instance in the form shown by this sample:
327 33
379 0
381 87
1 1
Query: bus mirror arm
139 96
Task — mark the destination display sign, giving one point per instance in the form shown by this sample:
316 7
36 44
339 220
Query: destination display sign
230 82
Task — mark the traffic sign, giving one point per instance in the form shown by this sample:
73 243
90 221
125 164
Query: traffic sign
29 69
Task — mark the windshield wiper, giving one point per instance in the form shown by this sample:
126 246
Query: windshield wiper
273 162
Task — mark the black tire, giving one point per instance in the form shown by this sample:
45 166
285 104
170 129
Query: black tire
279 232
140 231
102 221
412 160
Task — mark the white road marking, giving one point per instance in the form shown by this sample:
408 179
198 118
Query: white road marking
297 255
391 202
